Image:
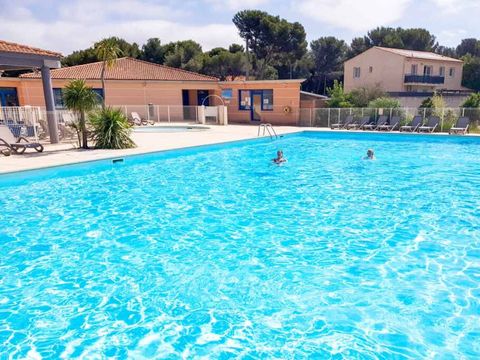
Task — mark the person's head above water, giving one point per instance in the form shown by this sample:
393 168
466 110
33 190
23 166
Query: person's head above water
279 154
370 154
279 158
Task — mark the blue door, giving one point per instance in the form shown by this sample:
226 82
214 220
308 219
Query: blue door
256 98
202 98
8 97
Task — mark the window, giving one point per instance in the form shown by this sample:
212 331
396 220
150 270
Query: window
441 71
427 70
244 97
267 100
356 72
451 72
414 69
58 97
370 69
227 94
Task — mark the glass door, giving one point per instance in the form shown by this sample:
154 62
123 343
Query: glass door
256 106
8 97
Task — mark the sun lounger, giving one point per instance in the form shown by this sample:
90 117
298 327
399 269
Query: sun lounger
137 120
461 127
16 146
431 125
341 124
414 124
392 124
358 122
373 125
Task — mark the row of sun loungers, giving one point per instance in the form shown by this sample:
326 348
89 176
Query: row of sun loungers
383 123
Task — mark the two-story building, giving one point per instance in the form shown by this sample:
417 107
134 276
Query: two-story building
401 72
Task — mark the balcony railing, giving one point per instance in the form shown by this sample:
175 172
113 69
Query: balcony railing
424 79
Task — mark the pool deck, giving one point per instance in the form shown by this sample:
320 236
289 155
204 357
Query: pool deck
63 154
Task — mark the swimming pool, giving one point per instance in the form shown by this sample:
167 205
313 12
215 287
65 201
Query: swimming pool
215 252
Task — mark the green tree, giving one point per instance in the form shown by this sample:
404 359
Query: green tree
110 129
185 55
471 72
270 39
338 98
469 46
473 101
234 48
81 99
153 51
384 103
223 64
328 55
107 51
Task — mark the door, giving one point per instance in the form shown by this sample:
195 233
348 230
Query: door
8 97
202 98
256 108
427 70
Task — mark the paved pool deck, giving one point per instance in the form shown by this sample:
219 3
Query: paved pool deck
63 154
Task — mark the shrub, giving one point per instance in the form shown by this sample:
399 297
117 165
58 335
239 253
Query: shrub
110 129
338 98
384 102
473 101
362 96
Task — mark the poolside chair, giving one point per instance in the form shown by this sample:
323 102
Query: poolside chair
414 124
16 146
341 124
373 125
5 152
137 120
431 125
392 124
461 127
358 123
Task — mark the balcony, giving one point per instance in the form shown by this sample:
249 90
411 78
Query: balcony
424 79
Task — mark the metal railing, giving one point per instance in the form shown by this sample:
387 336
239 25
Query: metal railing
424 79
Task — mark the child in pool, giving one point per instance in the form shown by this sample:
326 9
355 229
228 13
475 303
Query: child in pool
279 159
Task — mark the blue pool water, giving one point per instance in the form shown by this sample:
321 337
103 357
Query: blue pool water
217 253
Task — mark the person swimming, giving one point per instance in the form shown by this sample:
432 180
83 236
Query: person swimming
370 155
280 158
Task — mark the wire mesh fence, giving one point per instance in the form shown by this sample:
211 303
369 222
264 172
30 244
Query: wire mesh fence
325 117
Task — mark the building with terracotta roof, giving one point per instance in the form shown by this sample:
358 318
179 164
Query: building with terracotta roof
136 84
401 70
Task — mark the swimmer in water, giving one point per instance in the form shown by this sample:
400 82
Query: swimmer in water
370 155
279 159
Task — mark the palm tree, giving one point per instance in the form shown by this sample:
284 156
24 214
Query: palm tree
80 98
107 51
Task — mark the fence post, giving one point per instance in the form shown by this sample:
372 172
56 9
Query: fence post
311 117
158 113
328 118
339 116
168 112
390 114
424 113
463 112
362 111
443 117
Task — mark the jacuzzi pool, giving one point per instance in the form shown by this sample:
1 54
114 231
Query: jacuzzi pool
169 128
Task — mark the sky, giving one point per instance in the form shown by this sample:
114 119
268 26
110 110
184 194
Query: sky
67 25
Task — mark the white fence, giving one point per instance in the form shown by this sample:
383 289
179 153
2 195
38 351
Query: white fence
162 113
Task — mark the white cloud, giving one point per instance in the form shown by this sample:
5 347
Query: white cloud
237 4
354 15
456 6
78 24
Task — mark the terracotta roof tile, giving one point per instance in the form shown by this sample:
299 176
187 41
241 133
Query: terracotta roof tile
24 49
418 54
125 69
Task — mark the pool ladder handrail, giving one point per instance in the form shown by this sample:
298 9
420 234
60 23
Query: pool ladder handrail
266 128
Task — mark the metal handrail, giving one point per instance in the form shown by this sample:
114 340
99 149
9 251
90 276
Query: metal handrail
266 128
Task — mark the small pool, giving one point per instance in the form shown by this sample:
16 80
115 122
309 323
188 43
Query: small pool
169 129
215 252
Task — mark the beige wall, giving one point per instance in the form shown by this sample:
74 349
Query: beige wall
389 70
130 92
285 93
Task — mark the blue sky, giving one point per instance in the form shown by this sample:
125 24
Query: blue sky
75 24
